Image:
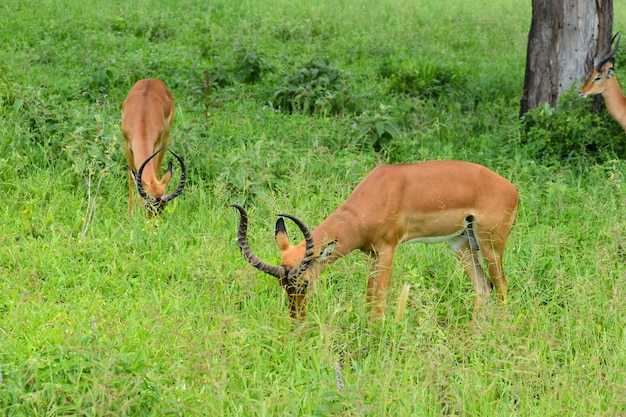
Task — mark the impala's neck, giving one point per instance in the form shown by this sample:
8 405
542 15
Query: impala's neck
149 180
615 102
342 227
151 185
154 187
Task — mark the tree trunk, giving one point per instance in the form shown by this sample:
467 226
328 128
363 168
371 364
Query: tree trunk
565 36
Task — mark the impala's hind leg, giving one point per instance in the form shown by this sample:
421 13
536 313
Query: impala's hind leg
493 256
466 250
491 238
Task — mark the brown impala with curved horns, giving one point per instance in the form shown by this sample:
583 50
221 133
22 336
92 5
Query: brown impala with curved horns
147 116
603 81
465 204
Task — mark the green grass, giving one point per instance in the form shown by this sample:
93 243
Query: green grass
102 313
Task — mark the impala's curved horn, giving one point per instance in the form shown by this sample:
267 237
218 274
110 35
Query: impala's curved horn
310 247
244 247
164 199
150 199
617 36
609 53
181 183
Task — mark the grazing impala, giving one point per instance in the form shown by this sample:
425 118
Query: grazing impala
147 117
603 81
465 204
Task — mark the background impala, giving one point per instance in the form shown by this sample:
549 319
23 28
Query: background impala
465 204
147 117
603 81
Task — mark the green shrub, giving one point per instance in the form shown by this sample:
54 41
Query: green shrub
571 131
422 79
219 77
245 174
154 28
98 82
43 115
249 66
62 381
376 128
315 88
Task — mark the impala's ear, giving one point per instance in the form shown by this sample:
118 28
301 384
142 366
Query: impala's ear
168 174
280 234
327 250
610 72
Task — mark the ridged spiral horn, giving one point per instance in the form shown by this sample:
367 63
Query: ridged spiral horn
609 54
244 247
164 199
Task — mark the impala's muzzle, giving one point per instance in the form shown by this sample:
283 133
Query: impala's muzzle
155 206
291 284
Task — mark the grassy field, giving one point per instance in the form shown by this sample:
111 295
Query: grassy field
103 313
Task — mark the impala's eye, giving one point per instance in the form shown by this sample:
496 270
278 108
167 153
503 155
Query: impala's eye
595 80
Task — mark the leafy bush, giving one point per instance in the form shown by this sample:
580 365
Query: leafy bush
63 380
377 128
316 88
99 82
423 79
219 77
249 66
305 30
43 115
571 131
156 29
244 173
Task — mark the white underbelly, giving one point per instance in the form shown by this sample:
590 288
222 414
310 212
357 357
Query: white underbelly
435 239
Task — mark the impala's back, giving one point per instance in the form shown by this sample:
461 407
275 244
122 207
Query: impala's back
147 116
429 202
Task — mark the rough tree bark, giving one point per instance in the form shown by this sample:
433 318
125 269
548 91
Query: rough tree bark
565 36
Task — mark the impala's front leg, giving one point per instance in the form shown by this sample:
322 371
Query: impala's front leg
131 167
381 267
372 261
131 186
